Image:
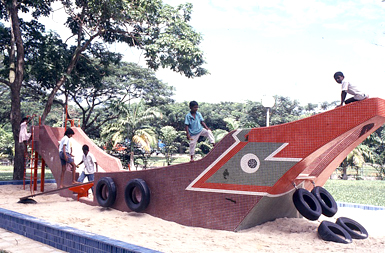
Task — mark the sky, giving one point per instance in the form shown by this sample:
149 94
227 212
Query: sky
256 48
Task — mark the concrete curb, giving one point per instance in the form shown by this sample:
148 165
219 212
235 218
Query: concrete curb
20 182
63 237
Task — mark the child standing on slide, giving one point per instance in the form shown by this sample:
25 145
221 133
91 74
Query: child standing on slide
65 156
196 127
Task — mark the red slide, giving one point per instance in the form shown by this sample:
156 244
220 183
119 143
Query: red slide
47 145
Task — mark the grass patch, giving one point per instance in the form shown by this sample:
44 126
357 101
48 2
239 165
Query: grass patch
160 161
369 192
6 174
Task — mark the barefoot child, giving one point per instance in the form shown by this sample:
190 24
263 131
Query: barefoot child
347 87
90 165
196 127
65 155
24 136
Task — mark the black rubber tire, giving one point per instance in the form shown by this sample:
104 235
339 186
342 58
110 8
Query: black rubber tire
332 232
306 204
105 192
137 195
355 229
328 204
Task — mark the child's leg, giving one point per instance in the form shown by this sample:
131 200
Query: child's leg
209 135
73 172
81 177
91 178
193 144
63 169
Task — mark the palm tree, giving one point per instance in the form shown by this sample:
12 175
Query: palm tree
133 126
357 158
231 123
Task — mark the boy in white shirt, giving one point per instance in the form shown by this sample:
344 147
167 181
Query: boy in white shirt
347 87
89 168
65 155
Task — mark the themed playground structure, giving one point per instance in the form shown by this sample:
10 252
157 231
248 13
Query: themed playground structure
249 177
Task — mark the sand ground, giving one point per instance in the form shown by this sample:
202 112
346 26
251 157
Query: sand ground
281 235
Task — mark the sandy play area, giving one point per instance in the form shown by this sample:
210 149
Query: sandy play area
281 235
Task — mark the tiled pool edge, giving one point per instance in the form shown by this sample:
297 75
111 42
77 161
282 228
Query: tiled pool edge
62 237
360 206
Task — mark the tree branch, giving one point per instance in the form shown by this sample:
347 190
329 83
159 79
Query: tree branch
5 82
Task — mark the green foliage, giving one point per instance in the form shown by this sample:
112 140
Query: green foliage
162 31
5 105
133 126
121 83
168 135
219 134
6 144
231 123
360 192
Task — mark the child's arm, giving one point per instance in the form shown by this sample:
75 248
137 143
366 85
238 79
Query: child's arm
97 167
79 163
64 152
30 118
204 125
343 97
188 133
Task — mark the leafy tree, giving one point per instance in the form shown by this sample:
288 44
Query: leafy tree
133 126
13 49
161 31
376 144
124 83
168 135
219 134
5 107
231 123
356 159
6 146
174 115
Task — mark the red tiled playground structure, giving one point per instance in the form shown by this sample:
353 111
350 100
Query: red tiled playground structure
247 179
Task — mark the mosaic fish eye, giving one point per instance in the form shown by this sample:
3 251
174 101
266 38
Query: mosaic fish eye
250 163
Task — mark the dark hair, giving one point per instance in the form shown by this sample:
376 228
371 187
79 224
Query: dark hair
339 73
85 148
24 119
69 131
193 103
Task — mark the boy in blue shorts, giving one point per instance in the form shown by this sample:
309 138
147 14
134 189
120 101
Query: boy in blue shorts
196 127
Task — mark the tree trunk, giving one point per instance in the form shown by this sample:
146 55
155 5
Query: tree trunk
16 75
344 173
18 165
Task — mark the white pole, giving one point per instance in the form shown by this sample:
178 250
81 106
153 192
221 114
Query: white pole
268 117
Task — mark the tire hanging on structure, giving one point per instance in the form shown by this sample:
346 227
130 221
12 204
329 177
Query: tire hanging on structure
306 204
333 232
105 192
137 195
355 229
328 204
